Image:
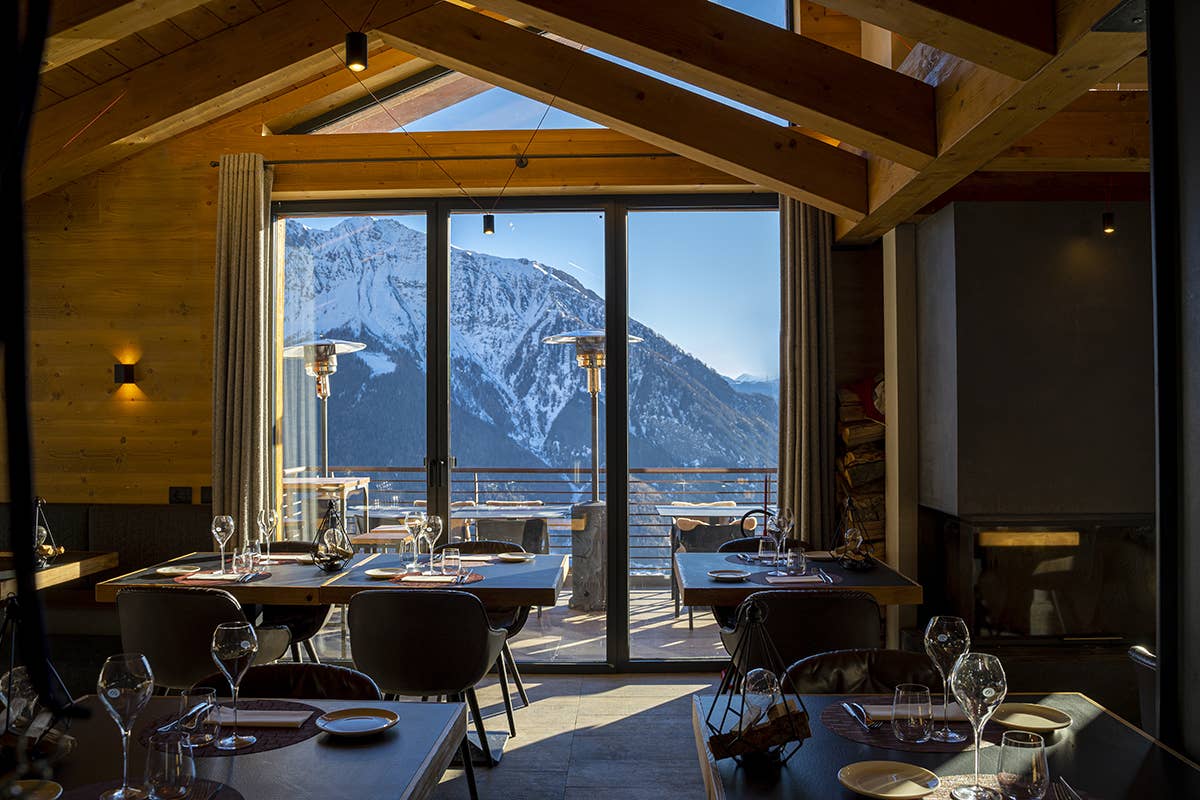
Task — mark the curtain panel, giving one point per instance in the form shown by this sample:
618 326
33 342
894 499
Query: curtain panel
242 326
807 394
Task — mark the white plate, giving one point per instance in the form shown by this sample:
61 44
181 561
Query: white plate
178 569
385 572
1031 717
728 575
515 558
39 790
891 780
357 721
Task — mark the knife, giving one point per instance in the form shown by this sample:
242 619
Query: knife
854 713
824 575
1074 794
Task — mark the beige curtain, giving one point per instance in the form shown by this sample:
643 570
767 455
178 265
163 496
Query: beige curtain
242 325
807 415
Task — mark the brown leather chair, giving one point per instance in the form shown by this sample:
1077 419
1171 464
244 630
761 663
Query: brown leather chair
1145 666
862 671
302 622
427 643
300 681
173 628
804 622
511 620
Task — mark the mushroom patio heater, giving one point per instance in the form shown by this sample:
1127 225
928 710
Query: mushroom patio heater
320 361
589 354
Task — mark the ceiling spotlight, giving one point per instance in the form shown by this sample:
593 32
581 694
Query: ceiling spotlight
489 224
1108 223
356 51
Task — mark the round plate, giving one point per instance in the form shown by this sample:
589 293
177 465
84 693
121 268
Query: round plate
515 558
1031 717
385 572
177 569
357 721
728 575
39 790
891 780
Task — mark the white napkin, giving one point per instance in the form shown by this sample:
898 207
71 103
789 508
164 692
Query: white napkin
429 578
263 718
795 579
284 558
884 712
476 558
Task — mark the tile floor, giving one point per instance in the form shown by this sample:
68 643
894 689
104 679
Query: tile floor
619 737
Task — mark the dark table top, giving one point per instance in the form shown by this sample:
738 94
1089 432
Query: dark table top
709 511
62 569
1102 756
887 586
405 762
532 583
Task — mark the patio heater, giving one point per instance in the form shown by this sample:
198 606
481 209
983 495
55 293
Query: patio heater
589 354
320 361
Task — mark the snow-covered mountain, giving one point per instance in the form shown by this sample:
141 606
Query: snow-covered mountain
514 400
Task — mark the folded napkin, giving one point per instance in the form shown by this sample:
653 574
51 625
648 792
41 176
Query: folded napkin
785 579
884 712
260 718
430 579
290 558
477 558
819 555
208 577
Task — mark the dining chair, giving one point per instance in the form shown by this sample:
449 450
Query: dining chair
861 671
511 620
301 681
697 536
303 622
1145 667
726 616
173 627
531 534
804 622
391 631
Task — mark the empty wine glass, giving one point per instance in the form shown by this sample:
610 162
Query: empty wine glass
233 647
170 768
1022 772
267 522
980 686
946 639
125 686
222 530
431 531
414 522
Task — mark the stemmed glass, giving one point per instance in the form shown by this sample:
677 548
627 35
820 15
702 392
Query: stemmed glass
431 531
1022 772
415 523
222 530
125 686
980 686
946 639
267 522
233 647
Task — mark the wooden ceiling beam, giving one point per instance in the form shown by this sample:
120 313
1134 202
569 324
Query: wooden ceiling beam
766 67
1099 132
982 113
1014 37
652 110
79 27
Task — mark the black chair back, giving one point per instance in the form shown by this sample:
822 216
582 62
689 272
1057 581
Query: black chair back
531 534
482 547
1145 667
300 681
393 632
746 544
707 538
865 671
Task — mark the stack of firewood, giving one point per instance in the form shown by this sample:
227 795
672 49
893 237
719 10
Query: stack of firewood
860 461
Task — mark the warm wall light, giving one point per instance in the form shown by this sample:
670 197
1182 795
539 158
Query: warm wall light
1029 538
1108 223
489 224
356 51
123 374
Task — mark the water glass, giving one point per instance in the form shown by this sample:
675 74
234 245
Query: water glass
170 768
946 640
912 713
451 561
1022 772
795 562
766 550
124 687
243 562
201 727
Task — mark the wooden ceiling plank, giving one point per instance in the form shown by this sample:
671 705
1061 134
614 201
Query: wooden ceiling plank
132 51
652 110
1100 132
982 113
166 37
233 12
66 81
199 23
99 66
1015 37
79 27
829 27
744 59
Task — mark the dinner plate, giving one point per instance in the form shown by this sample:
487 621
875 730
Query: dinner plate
385 572
891 780
515 558
178 569
728 575
1031 717
357 721
39 790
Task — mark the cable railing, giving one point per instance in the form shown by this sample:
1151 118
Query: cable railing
648 531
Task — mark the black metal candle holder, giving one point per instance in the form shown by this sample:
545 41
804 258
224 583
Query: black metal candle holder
333 547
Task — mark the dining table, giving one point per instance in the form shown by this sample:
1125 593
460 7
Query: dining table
709 510
698 588
406 761
1101 755
62 569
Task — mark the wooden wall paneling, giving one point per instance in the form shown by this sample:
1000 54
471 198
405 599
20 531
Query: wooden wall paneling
79 27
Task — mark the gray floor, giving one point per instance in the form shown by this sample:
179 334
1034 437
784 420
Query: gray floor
616 737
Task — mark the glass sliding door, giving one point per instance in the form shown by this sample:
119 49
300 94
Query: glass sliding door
703 403
523 301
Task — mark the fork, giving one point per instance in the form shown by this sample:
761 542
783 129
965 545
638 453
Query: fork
1063 791
872 724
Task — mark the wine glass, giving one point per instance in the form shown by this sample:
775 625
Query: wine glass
785 521
414 522
946 639
1022 772
233 647
222 530
170 768
980 686
431 531
125 686
267 522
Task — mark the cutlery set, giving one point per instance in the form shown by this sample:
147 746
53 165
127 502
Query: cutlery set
861 716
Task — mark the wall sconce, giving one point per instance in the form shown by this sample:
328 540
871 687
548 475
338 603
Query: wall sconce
1108 223
123 374
356 51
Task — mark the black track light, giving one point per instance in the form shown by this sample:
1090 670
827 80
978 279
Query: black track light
356 51
489 224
